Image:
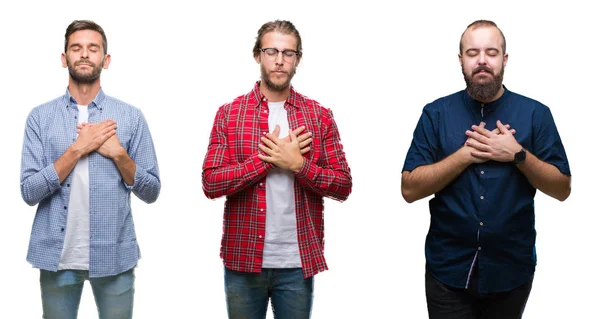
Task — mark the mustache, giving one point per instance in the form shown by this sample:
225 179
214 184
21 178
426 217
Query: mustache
84 61
484 68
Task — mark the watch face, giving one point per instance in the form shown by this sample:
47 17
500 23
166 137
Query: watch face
520 157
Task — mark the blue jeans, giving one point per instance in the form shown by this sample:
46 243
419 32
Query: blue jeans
247 294
61 293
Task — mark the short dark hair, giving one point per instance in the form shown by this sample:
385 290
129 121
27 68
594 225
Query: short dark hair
482 23
282 26
79 25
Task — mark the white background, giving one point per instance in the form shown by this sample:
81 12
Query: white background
375 65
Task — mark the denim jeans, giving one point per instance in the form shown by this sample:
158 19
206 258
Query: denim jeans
61 293
248 294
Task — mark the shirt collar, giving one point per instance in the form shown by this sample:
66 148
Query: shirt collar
70 101
294 99
488 107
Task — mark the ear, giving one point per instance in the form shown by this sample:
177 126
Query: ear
298 60
460 59
106 61
63 58
505 59
257 58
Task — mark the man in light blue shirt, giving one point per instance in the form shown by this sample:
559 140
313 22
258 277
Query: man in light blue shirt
83 154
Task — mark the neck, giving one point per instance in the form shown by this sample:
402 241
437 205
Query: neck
274 96
84 93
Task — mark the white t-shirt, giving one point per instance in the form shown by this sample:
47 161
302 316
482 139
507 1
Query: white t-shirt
76 248
281 238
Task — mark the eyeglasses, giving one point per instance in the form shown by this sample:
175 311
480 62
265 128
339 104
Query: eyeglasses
272 54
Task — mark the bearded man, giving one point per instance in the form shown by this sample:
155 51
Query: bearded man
483 152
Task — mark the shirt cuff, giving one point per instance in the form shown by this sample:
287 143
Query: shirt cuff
51 176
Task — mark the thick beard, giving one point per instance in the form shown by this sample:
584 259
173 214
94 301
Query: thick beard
86 78
485 91
264 75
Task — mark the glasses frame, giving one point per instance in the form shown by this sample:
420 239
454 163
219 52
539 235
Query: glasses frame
283 54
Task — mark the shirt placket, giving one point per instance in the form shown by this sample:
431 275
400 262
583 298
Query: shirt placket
263 124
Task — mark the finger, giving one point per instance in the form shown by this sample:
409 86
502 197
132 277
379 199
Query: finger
305 150
293 137
305 143
481 155
299 130
481 130
268 142
482 124
304 137
267 150
272 137
276 131
477 136
265 158
477 145
513 131
502 128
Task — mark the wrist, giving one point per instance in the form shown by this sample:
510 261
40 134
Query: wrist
119 155
298 166
76 152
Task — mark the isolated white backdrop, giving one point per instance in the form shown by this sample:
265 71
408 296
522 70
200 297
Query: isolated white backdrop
375 64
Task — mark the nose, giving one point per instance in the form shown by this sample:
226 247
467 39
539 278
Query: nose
481 59
279 58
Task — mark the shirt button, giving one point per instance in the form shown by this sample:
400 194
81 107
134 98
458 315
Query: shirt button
62 229
478 248
65 207
481 197
480 223
262 210
259 236
482 172
265 111
68 185
261 184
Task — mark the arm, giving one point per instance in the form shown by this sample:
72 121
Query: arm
429 179
546 177
543 176
139 166
39 180
333 178
219 176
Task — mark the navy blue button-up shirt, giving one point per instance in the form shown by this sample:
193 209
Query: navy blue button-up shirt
484 218
51 128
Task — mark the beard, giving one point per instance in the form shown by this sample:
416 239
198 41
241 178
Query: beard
85 78
264 75
483 90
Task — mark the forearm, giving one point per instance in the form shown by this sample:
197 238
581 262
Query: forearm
66 162
546 177
221 179
430 179
126 167
38 183
334 183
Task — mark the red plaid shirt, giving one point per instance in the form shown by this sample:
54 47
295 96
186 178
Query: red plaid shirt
232 168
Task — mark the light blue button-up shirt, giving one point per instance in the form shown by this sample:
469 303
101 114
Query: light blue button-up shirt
51 128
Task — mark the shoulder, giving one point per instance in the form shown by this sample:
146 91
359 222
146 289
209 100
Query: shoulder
527 103
445 102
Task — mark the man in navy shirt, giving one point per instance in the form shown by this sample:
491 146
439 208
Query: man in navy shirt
483 152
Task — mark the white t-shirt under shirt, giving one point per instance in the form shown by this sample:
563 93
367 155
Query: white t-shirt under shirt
76 248
281 238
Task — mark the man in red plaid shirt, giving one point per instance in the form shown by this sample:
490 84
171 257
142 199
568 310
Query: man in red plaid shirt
274 154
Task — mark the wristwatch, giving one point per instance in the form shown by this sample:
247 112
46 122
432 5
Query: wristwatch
520 156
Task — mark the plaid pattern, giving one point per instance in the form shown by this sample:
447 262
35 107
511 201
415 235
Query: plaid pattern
232 168
50 129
